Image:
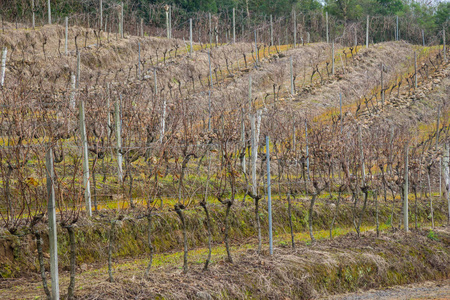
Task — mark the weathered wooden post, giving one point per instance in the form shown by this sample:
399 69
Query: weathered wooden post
367 32
155 79
437 127
295 27
405 197
119 141
74 88
108 109
3 71
86 178
234 25
163 121
271 31
332 58
340 110
170 21
142 27
190 37
33 17
49 13
66 21
78 70
446 162
121 20
139 60
382 84
256 50
52 229
307 149
415 70
396 29
326 17
210 32
101 14
445 46
308 37
363 167
269 196
292 76
167 21
423 38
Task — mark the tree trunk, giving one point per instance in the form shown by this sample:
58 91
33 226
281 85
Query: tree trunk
335 215
376 214
179 211
72 262
290 219
208 226
110 249
310 217
361 216
227 229
258 223
431 198
150 246
41 264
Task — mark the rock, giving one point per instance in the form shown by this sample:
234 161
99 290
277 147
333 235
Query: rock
204 295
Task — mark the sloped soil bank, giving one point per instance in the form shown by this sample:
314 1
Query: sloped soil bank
344 264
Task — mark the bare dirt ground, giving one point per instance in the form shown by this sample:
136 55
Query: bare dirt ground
425 290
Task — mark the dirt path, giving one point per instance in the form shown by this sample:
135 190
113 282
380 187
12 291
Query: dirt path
426 290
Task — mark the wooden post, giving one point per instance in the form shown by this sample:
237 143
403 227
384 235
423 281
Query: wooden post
437 127
363 168
78 70
382 85
108 109
308 37
295 27
163 121
367 32
86 178
209 110
254 152
234 25
101 14
405 197
170 21
445 46
3 71
167 23
356 37
119 141
340 110
423 38
250 100
326 17
49 13
72 94
190 37
156 81
52 229
210 32
256 51
271 31
332 57
269 196
139 60
210 70
142 27
396 29
415 70
446 163
243 162
121 20
292 77
66 19
307 148
33 18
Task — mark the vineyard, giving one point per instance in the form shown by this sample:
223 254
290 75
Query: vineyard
263 163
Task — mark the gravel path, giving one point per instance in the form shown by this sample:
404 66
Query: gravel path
426 290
